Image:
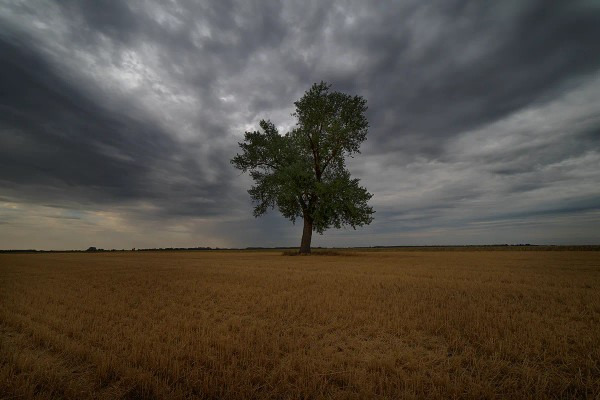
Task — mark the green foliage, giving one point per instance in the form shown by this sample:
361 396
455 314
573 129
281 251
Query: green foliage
303 172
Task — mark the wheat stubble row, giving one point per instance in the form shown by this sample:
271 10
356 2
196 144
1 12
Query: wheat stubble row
463 324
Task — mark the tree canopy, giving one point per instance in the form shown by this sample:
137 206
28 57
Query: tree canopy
303 172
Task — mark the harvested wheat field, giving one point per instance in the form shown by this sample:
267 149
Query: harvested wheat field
234 325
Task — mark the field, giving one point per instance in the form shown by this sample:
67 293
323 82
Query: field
229 325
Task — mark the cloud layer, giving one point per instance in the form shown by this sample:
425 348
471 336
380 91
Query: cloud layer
118 119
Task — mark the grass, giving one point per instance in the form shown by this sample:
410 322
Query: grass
229 325
318 253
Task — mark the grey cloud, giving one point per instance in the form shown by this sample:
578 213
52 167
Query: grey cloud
479 112
59 145
485 62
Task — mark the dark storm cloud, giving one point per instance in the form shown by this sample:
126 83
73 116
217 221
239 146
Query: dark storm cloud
60 147
484 62
479 112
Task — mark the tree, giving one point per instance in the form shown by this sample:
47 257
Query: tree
303 172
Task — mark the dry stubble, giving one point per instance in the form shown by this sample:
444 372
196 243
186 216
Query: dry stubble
460 324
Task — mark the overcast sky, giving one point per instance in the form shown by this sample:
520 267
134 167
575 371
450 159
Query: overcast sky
118 119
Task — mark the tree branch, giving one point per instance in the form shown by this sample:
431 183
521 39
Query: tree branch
334 154
314 153
266 164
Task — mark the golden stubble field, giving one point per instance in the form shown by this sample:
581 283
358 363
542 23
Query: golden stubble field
232 325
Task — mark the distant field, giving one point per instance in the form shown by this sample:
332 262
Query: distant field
229 325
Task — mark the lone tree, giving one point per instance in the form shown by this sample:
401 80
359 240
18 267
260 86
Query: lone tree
303 173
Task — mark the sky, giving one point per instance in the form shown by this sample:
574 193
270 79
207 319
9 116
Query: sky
118 119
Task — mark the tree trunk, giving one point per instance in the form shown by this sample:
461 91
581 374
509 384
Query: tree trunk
306 236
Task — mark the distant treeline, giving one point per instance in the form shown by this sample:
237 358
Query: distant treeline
526 246
487 247
100 250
